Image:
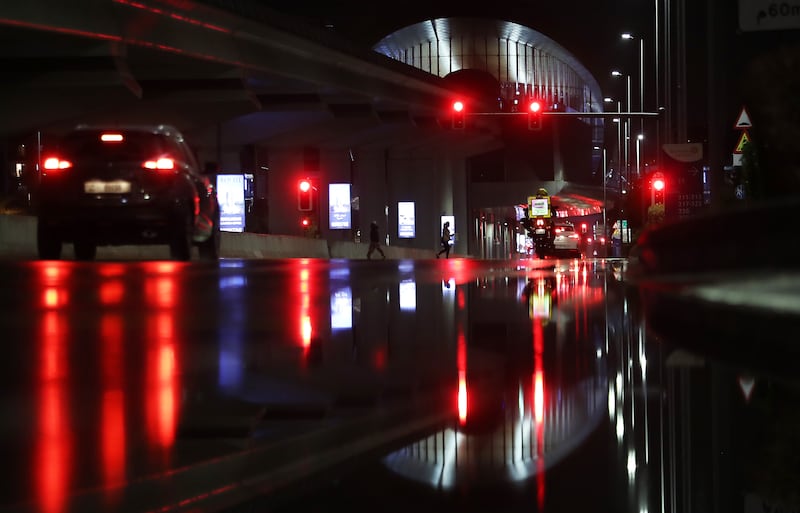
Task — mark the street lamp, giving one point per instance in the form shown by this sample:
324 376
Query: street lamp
627 36
627 135
618 121
639 139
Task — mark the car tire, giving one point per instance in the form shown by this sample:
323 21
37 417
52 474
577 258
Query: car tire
48 242
209 248
180 245
85 250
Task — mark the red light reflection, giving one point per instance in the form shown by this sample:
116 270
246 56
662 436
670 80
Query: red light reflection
111 292
54 298
462 397
162 381
113 402
162 387
54 443
160 283
380 359
461 361
538 408
304 290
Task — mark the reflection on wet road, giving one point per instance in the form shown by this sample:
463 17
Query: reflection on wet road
163 386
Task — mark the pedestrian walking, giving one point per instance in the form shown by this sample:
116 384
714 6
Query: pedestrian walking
374 241
445 241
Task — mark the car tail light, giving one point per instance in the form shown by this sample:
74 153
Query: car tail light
159 163
53 163
589 240
539 222
559 230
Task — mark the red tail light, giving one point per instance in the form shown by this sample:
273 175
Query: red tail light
53 163
159 163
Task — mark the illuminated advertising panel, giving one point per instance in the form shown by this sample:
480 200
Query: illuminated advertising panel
339 214
230 194
406 221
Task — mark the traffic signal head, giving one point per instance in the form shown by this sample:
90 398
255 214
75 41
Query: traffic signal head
659 185
305 195
457 114
535 115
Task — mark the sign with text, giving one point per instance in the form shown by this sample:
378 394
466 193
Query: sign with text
230 194
339 215
755 15
406 220
538 207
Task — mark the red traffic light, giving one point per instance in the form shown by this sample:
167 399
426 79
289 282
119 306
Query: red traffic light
458 114
305 195
535 115
658 184
306 222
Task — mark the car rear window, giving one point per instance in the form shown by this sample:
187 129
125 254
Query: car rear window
87 145
565 228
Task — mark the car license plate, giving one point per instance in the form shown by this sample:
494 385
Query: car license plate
101 187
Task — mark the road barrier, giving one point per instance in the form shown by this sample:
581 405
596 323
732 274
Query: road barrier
18 240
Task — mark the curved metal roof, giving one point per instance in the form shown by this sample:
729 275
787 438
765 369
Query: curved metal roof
446 28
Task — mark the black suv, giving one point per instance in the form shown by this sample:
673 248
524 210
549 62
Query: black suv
115 185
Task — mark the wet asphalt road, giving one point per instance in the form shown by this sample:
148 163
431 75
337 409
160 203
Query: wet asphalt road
303 385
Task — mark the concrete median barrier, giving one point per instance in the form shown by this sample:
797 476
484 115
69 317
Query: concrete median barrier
18 240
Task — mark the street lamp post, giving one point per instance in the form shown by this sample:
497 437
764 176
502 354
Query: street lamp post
639 139
627 126
628 36
605 176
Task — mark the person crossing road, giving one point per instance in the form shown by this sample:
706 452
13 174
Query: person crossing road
445 241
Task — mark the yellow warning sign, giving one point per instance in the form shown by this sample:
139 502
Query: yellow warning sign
743 140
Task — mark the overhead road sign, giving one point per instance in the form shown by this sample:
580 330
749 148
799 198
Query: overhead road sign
755 15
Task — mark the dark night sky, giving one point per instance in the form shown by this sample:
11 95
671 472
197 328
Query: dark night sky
589 29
